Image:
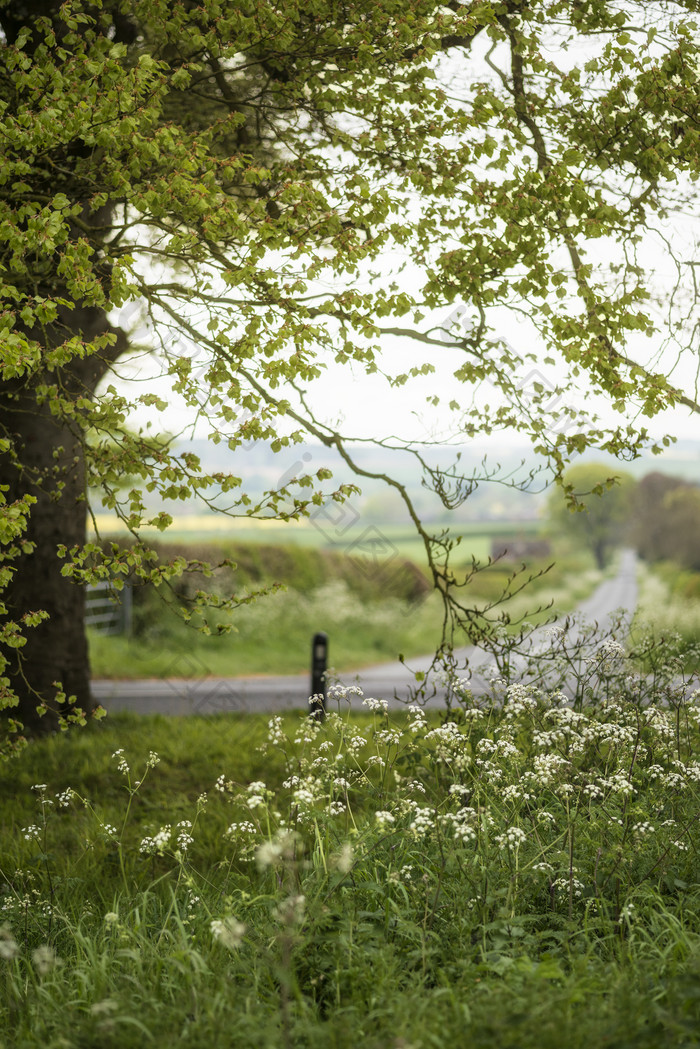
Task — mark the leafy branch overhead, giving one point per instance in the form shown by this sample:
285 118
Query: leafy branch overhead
241 179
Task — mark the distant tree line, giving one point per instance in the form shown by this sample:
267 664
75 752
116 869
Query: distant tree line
659 515
665 520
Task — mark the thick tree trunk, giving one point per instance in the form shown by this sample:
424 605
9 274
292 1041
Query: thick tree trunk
48 462
56 650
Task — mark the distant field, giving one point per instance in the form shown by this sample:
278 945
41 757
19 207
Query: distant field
364 615
355 537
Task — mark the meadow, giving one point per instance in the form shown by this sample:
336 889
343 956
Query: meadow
517 873
511 871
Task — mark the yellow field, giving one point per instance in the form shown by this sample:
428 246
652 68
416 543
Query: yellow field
396 539
197 523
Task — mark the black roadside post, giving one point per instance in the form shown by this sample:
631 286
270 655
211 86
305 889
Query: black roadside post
319 665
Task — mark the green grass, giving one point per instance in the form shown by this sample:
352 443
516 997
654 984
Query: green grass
273 635
522 877
669 612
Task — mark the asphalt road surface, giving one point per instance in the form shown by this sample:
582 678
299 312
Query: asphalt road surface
391 681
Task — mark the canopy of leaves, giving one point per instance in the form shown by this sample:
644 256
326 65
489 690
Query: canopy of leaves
244 174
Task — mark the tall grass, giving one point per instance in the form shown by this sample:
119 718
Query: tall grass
522 874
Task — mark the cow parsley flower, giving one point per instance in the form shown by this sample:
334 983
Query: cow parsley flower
8 944
44 959
228 931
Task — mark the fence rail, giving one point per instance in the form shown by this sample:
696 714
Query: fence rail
107 610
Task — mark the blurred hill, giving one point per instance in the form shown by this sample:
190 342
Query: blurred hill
505 484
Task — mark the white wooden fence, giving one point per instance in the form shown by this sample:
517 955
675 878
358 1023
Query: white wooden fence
107 610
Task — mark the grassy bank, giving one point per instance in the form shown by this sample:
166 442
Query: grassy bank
522 877
669 610
370 617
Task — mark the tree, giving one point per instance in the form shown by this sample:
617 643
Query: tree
650 524
241 172
597 513
665 520
682 510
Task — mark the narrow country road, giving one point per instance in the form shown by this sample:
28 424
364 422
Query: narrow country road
273 694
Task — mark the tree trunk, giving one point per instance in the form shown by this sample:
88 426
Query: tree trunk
56 649
48 462
600 552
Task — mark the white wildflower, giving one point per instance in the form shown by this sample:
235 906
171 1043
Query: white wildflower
609 649
387 737
275 733
44 959
228 931
276 851
104 1008
8 944
156 845
542 867
184 838
121 761
627 913
513 838
569 885
244 828
291 910
422 822
344 859
377 706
